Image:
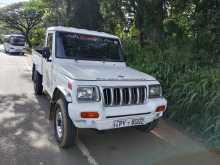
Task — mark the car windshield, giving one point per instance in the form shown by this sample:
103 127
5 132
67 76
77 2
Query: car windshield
87 47
17 41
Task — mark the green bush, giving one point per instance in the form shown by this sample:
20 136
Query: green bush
191 84
167 64
38 37
195 101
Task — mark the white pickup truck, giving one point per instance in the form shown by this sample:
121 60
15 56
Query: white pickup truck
91 86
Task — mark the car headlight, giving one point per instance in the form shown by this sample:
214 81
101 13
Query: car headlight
155 91
88 94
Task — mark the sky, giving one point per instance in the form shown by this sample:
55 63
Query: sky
8 2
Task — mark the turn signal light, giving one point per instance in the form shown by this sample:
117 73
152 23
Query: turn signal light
161 108
89 115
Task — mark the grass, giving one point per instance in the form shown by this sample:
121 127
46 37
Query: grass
190 83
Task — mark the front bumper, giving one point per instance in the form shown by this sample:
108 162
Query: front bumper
146 111
107 124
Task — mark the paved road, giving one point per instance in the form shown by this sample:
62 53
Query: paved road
26 136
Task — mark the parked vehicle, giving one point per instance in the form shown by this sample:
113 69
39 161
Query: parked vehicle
91 86
14 44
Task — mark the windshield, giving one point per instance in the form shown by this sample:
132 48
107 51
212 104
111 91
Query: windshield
87 47
17 41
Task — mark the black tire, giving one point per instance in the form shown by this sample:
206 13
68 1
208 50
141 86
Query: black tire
33 72
149 127
38 87
67 138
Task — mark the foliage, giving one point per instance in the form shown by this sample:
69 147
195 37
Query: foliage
192 88
197 99
75 13
113 15
84 13
38 37
22 19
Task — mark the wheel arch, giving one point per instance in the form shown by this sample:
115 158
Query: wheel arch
59 92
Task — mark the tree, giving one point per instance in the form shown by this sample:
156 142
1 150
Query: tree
113 15
21 19
148 16
55 12
84 14
77 13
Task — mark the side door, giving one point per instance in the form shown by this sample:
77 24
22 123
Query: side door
48 63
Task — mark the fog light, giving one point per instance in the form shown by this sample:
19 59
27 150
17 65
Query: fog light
161 108
89 115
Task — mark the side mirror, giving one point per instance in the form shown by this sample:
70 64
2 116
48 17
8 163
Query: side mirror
46 53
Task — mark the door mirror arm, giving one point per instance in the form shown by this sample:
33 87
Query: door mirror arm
46 53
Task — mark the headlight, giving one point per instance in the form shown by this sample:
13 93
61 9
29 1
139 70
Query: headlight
155 91
88 94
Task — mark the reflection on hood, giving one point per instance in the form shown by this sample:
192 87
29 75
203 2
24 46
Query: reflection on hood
82 70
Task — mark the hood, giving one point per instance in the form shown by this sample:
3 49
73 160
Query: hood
102 71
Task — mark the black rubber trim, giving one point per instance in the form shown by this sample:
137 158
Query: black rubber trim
109 117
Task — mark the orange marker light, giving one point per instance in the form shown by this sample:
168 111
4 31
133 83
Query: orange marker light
89 115
161 108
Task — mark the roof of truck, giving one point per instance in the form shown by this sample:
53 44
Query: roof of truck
14 35
81 31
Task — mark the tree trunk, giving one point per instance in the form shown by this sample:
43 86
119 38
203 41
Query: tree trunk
27 38
141 38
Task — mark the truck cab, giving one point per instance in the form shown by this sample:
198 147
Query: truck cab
90 85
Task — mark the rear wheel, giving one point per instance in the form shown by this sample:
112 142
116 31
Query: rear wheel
65 131
38 87
150 126
33 72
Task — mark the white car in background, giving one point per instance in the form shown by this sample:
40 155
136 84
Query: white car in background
14 44
90 85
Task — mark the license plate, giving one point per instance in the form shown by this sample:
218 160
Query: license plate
128 122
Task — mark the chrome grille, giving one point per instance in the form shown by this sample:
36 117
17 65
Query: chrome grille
122 96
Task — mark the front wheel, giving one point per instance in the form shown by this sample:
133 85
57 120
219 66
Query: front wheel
65 131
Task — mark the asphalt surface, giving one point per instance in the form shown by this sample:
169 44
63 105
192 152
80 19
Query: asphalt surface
26 135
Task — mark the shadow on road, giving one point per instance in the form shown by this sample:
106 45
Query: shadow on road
25 133
26 136
14 54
